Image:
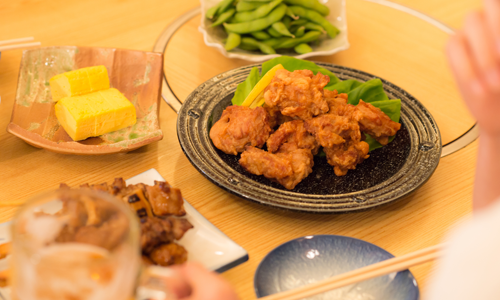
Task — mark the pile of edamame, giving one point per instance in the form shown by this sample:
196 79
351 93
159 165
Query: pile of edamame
272 25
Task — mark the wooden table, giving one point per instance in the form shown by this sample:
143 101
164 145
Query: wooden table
395 46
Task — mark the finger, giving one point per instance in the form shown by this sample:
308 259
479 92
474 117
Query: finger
481 44
462 65
492 13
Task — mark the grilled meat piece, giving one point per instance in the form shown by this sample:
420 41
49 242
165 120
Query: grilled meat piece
165 200
169 254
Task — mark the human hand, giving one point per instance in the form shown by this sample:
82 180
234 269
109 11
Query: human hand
474 56
194 282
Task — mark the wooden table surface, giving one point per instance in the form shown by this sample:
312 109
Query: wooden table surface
389 43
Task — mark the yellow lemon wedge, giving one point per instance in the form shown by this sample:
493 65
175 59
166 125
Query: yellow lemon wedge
257 92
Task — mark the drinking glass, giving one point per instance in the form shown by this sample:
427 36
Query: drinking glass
79 245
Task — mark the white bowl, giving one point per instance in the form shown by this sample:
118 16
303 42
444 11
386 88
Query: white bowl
214 36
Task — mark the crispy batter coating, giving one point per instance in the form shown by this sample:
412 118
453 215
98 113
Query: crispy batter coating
331 130
334 99
240 126
292 132
376 123
297 94
276 118
288 166
346 156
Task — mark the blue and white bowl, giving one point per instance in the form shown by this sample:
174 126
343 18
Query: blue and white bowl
313 258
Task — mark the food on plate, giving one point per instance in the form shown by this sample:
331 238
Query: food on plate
240 126
79 82
305 111
270 26
95 114
159 227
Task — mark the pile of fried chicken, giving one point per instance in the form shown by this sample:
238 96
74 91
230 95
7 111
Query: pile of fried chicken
158 208
307 116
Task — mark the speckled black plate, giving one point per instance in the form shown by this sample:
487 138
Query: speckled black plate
390 172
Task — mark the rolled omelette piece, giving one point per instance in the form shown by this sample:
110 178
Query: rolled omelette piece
95 114
79 82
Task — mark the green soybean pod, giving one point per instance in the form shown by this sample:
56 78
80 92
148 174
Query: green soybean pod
212 11
224 6
313 26
233 41
300 32
312 4
224 17
303 48
259 24
257 1
281 28
317 18
273 32
306 38
274 42
299 22
260 12
261 35
287 20
290 13
246 47
262 46
247 6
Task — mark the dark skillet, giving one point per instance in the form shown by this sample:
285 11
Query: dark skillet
390 172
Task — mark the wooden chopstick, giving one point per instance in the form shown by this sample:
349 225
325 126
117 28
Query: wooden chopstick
19 40
371 271
18 46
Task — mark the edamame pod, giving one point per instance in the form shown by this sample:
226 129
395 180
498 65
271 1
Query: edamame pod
260 12
273 32
259 24
246 47
212 11
290 42
274 41
312 26
303 48
260 35
290 13
262 46
247 6
300 32
299 22
287 20
317 18
223 17
311 4
258 1
233 41
224 6
281 28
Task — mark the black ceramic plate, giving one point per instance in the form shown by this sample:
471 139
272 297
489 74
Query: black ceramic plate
390 172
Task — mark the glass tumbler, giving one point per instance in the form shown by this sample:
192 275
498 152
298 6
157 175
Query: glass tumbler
78 245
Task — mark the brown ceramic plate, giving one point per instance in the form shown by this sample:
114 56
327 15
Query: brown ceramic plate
136 74
390 173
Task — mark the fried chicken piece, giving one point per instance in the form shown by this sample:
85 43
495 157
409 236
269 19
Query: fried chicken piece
240 126
165 200
331 130
169 254
297 94
334 99
376 123
146 260
288 166
292 132
155 231
276 118
346 156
